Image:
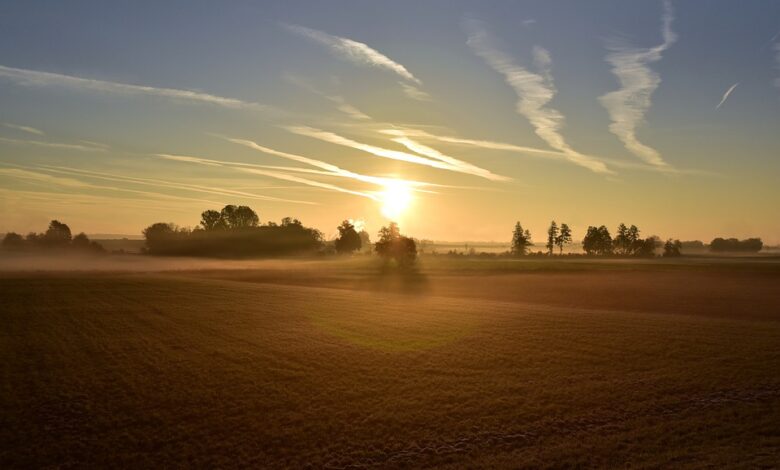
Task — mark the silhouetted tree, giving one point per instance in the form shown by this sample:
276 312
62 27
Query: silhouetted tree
58 234
393 245
563 238
348 240
750 245
672 248
34 238
212 220
80 241
160 236
238 217
622 241
13 240
597 241
646 247
521 240
552 235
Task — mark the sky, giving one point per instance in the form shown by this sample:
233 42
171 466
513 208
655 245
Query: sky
454 118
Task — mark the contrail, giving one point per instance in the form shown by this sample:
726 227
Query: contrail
726 95
628 105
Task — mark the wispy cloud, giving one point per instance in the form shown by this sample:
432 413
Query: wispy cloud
27 129
464 167
169 184
260 170
354 51
726 95
339 101
436 162
19 173
45 79
414 93
534 92
35 175
628 105
534 152
485 144
86 147
329 169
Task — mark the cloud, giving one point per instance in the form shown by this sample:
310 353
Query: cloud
534 92
464 167
42 178
485 144
169 184
437 162
28 129
44 79
329 169
87 147
535 152
628 105
353 51
341 103
414 93
260 170
726 95
25 173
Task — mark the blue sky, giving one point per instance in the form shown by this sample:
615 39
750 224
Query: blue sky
541 76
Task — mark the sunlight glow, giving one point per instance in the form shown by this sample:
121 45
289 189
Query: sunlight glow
396 199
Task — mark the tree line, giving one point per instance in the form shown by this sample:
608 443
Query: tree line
236 231
596 242
56 237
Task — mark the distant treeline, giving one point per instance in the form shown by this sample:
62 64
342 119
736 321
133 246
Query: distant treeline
626 243
750 245
236 232
56 237
597 241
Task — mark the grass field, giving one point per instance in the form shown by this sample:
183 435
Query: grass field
342 365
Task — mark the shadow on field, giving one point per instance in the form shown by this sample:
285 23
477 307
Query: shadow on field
396 279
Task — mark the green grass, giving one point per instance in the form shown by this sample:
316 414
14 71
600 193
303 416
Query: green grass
226 369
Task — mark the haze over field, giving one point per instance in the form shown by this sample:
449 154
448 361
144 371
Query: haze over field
116 116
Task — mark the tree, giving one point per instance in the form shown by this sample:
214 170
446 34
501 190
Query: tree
288 221
349 239
245 217
646 247
80 241
159 235
552 235
597 241
672 248
394 246
238 217
627 241
622 242
732 244
563 238
58 234
13 240
521 240
212 220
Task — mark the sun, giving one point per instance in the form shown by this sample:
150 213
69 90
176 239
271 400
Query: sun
396 199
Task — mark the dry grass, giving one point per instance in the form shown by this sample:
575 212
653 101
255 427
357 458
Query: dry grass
207 369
